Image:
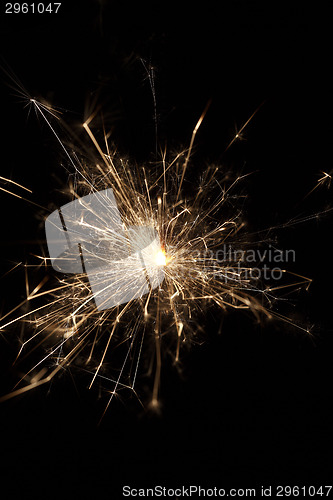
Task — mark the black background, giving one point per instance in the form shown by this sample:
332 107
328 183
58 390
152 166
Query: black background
254 405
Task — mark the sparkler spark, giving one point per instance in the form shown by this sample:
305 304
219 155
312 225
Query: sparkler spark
160 258
138 279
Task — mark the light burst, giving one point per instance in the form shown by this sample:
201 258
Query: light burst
192 221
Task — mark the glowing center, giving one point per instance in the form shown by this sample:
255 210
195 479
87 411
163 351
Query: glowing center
160 258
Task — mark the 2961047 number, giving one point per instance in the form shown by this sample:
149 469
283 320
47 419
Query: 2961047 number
32 8
303 491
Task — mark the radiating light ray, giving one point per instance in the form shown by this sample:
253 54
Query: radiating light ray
15 183
194 133
238 134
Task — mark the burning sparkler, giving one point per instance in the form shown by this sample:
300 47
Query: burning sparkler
136 261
